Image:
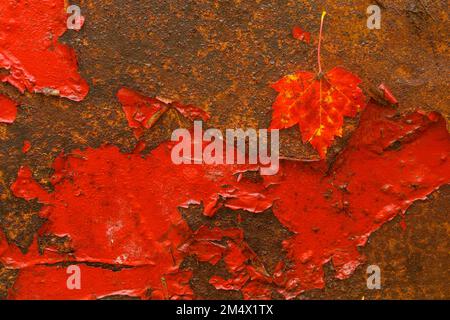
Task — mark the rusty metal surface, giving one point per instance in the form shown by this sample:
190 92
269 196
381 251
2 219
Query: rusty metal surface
222 56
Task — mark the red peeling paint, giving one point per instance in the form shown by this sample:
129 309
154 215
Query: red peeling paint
387 94
26 146
98 283
389 163
85 202
143 112
190 112
26 187
205 243
8 110
333 210
122 209
115 211
29 49
299 34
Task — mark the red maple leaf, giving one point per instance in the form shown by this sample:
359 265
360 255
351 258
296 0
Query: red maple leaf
318 103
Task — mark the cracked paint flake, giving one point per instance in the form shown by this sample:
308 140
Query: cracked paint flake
26 146
8 110
300 34
143 112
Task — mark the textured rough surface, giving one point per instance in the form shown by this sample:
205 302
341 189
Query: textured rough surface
222 56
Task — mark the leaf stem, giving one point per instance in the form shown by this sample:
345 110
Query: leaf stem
320 41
